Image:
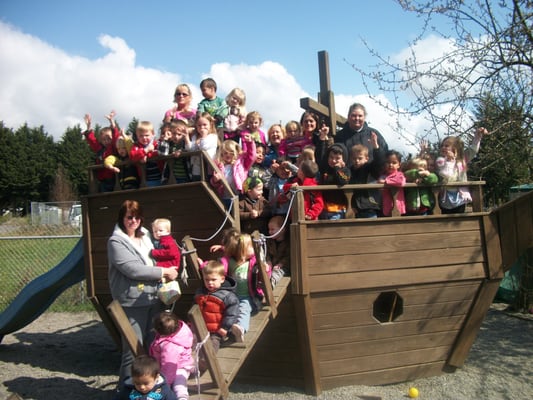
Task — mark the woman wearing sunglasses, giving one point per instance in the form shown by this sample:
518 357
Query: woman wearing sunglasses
133 277
183 109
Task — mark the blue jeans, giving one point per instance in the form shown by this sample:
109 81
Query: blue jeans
245 311
366 214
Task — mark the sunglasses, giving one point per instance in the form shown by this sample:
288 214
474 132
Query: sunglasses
130 217
181 94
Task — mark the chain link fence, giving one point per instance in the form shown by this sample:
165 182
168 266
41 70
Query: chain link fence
31 246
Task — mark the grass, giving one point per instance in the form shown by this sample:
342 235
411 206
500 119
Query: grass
22 260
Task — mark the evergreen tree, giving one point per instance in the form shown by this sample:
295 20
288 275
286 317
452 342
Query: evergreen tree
505 157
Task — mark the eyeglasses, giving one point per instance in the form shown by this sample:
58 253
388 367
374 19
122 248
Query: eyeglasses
130 217
181 94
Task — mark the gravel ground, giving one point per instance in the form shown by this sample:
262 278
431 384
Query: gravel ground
62 355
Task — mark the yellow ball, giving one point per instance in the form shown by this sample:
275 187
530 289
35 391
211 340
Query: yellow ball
413 392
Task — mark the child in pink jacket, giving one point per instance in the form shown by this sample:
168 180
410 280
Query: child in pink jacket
172 347
233 164
392 176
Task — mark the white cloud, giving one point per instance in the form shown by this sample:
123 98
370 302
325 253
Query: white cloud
43 85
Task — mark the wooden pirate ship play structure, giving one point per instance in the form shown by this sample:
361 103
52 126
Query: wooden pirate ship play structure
369 301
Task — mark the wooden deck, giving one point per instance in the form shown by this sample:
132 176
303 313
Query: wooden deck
369 301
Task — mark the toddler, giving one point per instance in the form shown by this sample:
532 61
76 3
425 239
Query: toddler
180 166
218 302
211 103
335 172
240 263
166 252
366 203
233 165
234 121
103 145
295 141
144 150
172 348
419 200
253 124
276 177
451 166
204 138
313 200
128 176
392 176
146 381
254 209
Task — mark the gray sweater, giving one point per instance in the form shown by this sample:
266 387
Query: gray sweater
133 278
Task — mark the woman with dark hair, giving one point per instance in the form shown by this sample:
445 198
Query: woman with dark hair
133 277
357 131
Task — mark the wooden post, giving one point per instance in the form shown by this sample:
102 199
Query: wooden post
325 107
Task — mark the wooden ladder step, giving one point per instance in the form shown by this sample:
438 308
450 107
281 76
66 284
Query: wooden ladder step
230 358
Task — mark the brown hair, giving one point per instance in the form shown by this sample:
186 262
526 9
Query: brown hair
135 209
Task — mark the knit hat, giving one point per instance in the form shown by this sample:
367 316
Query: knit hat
251 183
338 148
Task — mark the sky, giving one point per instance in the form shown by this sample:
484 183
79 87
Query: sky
63 58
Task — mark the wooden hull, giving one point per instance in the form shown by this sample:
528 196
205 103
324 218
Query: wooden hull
371 301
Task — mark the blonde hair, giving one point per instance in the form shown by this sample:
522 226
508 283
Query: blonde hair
144 126
238 94
283 133
230 146
293 125
238 246
213 267
253 115
359 149
417 162
164 222
209 117
307 154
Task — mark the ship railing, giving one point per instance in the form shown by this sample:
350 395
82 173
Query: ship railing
475 189
207 166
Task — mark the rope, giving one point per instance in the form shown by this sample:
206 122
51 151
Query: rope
293 191
221 226
198 347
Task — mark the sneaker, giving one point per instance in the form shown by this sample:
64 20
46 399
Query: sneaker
238 333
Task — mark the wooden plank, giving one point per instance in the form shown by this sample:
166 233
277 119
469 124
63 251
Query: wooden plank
199 328
385 346
300 284
324 303
470 330
375 362
385 376
108 322
123 325
390 261
306 334
492 247
524 222
508 236
395 278
393 243
380 331
361 228
260 254
335 320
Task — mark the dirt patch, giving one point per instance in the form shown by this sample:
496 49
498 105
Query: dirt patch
64 355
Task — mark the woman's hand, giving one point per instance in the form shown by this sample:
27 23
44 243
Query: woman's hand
170 273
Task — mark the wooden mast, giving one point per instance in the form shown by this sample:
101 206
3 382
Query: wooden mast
325 107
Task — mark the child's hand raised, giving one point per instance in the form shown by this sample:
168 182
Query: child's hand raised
247 137
374 140
87 119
